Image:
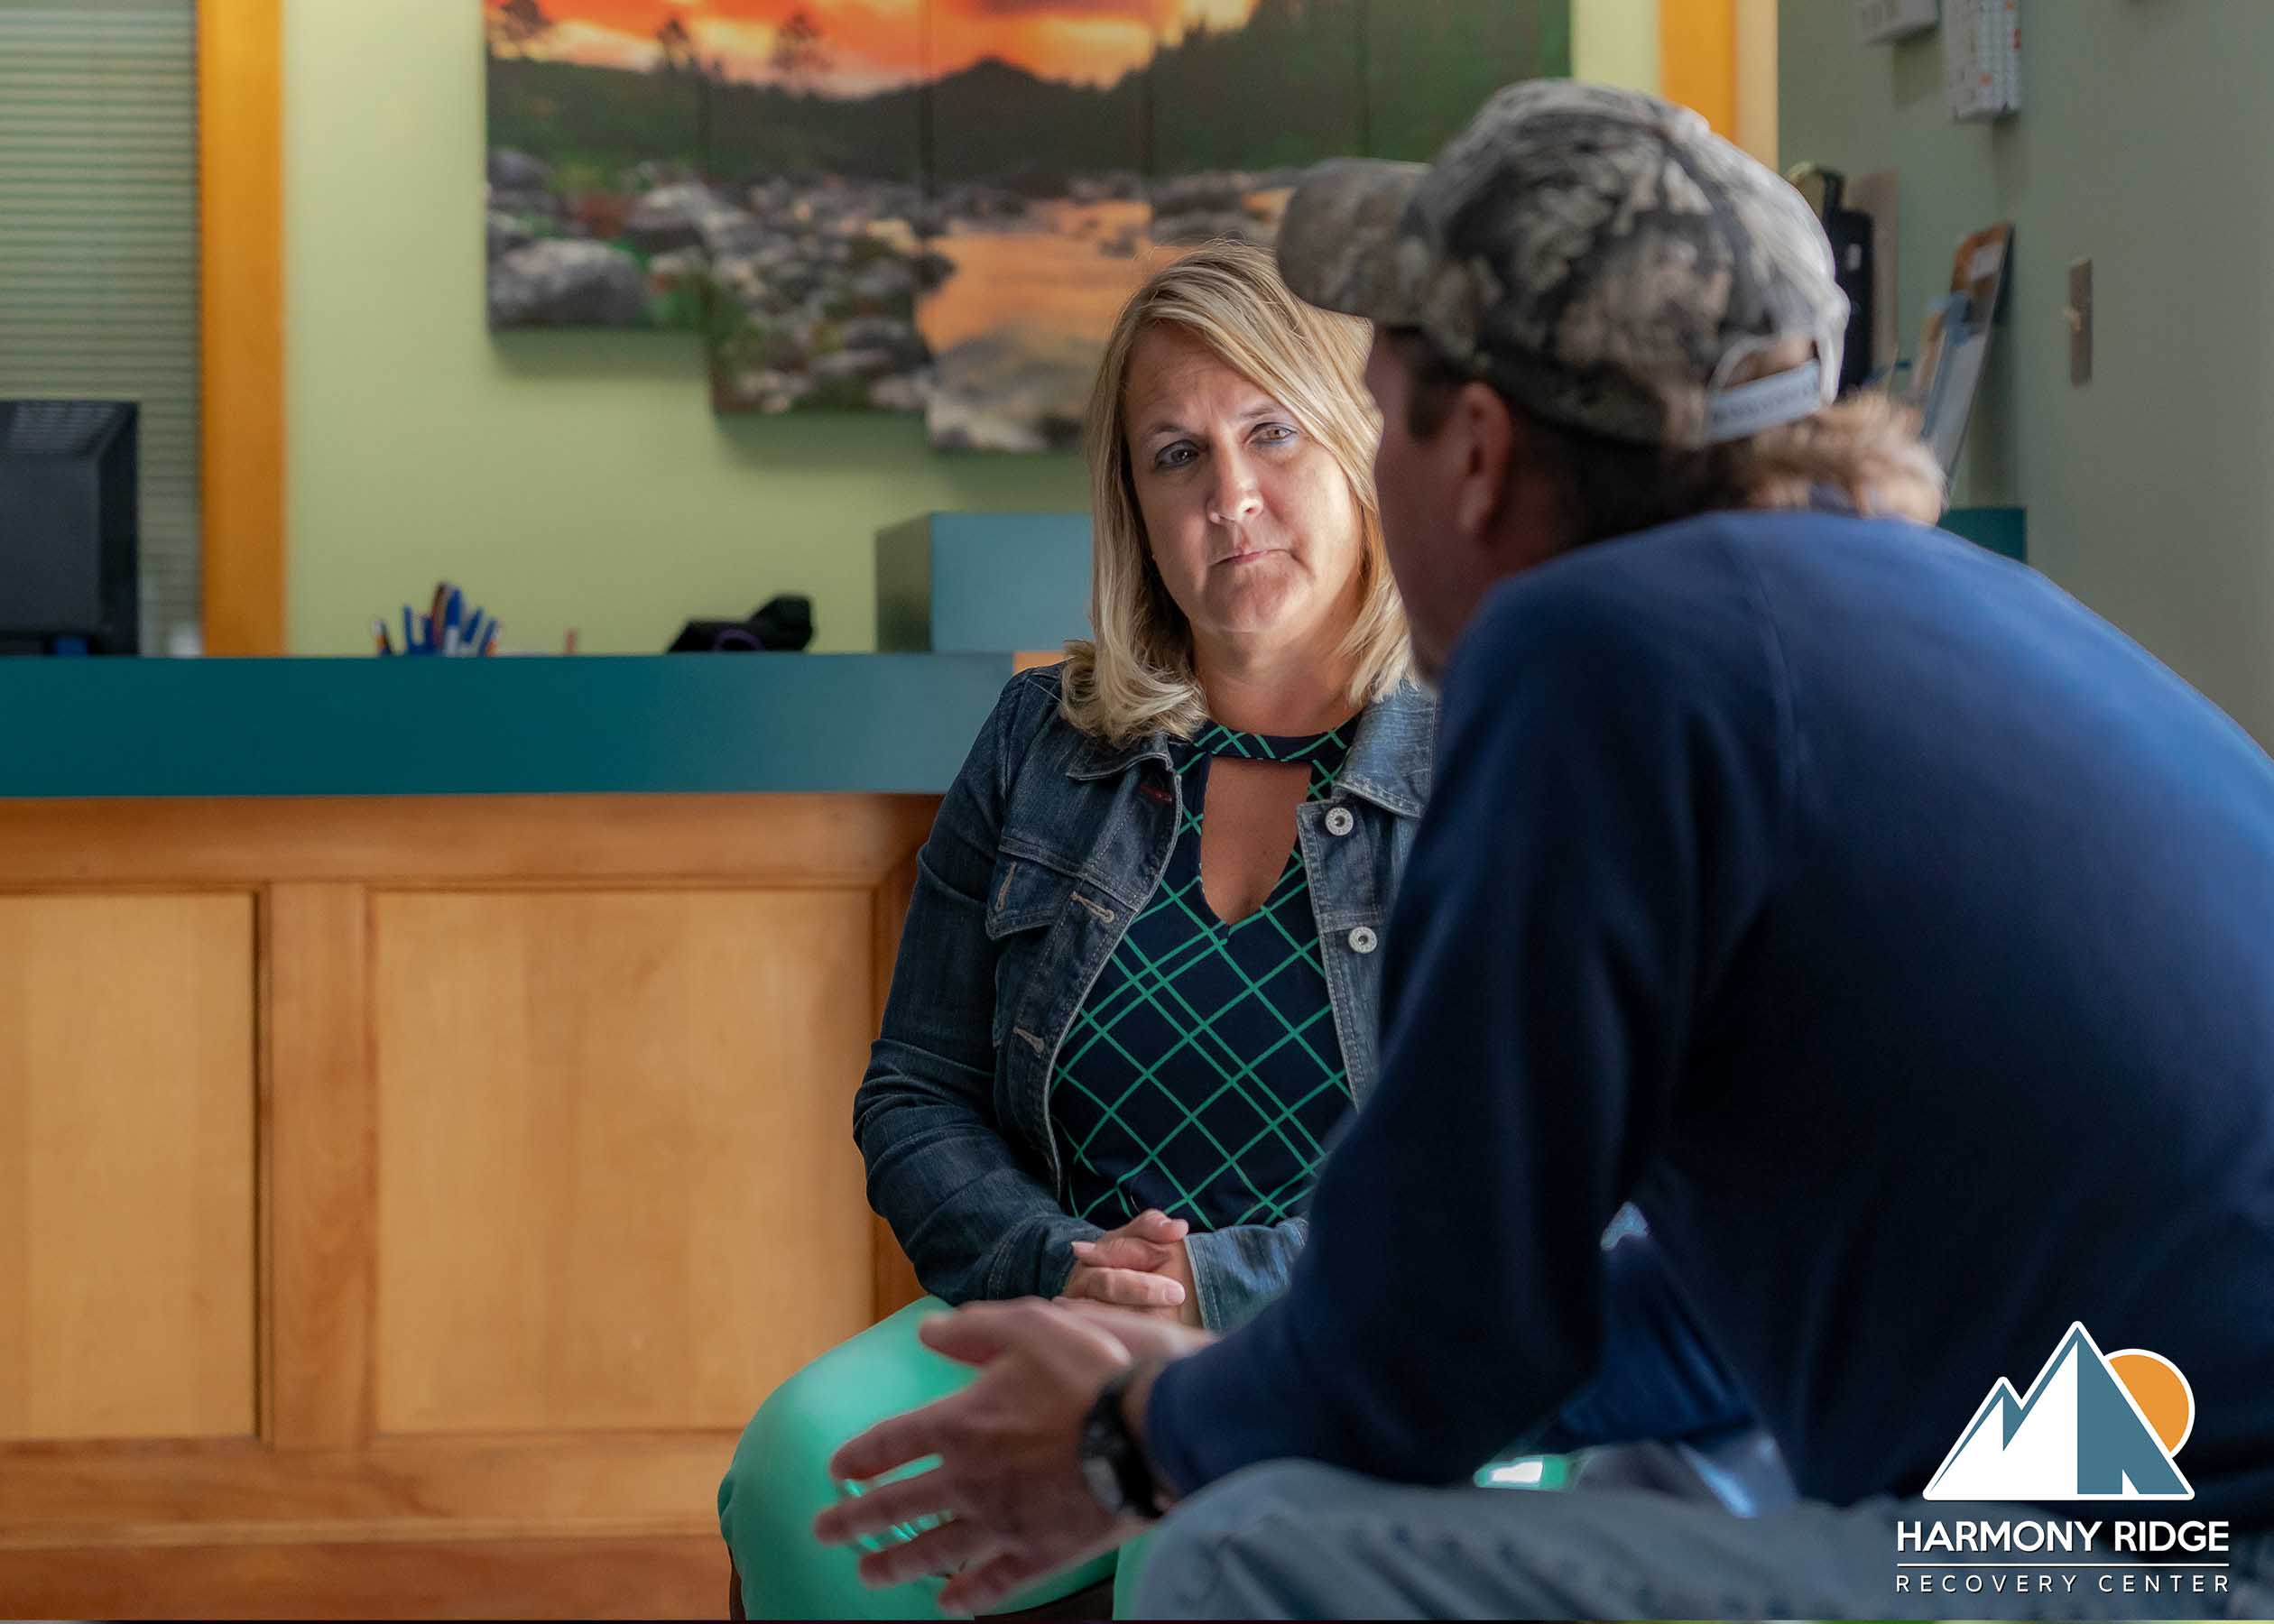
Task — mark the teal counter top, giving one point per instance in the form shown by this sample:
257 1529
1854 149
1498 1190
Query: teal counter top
875 724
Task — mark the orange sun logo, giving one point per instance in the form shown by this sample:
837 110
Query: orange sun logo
2162 1393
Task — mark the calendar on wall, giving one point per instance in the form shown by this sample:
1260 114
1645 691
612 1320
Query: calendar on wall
1880 21
1981 58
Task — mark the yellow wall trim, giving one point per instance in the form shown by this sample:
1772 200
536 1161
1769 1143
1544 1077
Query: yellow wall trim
1697 58
241 250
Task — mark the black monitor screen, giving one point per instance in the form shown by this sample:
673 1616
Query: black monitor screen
68 525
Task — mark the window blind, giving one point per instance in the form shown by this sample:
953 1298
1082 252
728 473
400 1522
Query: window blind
98 250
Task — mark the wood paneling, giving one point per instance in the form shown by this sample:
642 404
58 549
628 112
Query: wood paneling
187 1493
397 1194
126 1168
584 1578
896 1282
850 840
617 1185
322 1224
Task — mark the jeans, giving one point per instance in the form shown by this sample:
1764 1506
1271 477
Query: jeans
1292 1539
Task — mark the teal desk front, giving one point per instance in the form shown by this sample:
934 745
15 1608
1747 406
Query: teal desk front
752 723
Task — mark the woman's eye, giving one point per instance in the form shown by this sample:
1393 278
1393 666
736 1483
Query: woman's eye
1175 455
1274 434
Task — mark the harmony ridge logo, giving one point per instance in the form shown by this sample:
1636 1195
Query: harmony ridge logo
2092 1427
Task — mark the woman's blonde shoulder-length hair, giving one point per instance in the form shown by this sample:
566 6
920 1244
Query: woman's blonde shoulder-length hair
1137 677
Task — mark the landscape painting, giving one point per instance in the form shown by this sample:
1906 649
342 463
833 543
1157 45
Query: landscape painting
936 206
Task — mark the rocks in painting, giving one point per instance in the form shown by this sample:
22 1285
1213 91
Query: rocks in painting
1214 191
888 284
505 233
899 342
681 265
737 277
525 204
792 280
763 390
510 171
1215 203
563 283
1189 230
932 269
866 365
1115 186
670 217
969 200
1034 179
1012 389
654 174
731 233
901 392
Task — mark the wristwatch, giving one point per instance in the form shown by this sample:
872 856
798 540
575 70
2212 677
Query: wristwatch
1113 1462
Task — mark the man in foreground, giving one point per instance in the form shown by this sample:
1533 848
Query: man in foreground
1897 934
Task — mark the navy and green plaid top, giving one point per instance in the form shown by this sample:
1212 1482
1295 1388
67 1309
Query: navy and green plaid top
1203 1073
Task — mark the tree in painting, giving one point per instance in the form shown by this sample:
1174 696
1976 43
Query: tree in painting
798 57
518 24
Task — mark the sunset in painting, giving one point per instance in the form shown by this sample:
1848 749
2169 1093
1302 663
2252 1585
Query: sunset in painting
937 205
874 44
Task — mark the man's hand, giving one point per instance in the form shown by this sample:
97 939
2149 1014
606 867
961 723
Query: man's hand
1142 1265
1148 1338
1009 1480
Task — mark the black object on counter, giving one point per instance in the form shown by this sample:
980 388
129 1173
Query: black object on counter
781 626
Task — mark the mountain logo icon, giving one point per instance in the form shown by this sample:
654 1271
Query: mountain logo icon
2092 1426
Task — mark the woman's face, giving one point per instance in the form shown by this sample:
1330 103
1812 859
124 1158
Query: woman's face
1251 522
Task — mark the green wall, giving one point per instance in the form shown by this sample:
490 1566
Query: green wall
564 479
2151 490
1616 42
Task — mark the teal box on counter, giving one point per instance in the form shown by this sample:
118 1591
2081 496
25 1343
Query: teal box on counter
2002 530
982 583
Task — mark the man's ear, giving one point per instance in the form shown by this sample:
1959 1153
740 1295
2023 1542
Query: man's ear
1485 431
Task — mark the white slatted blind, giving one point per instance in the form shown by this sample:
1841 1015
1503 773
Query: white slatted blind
98 248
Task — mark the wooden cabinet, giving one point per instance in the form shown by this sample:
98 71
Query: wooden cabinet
404 1203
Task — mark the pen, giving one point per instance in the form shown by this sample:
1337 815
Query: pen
379 632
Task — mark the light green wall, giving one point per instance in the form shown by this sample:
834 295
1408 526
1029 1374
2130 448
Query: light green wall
1616 42
564 479
2150 490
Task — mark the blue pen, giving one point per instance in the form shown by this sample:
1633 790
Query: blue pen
410 639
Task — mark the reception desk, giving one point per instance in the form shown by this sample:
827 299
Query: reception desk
425 1093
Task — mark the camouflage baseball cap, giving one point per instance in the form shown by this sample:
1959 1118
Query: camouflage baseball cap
1600 256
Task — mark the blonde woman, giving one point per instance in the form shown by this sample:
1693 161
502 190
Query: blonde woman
1137 986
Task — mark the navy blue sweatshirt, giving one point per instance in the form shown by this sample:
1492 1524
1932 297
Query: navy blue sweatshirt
1897 934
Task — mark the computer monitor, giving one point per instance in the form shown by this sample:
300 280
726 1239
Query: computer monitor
69 526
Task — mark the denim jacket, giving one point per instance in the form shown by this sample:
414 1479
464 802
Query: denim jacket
1047 844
